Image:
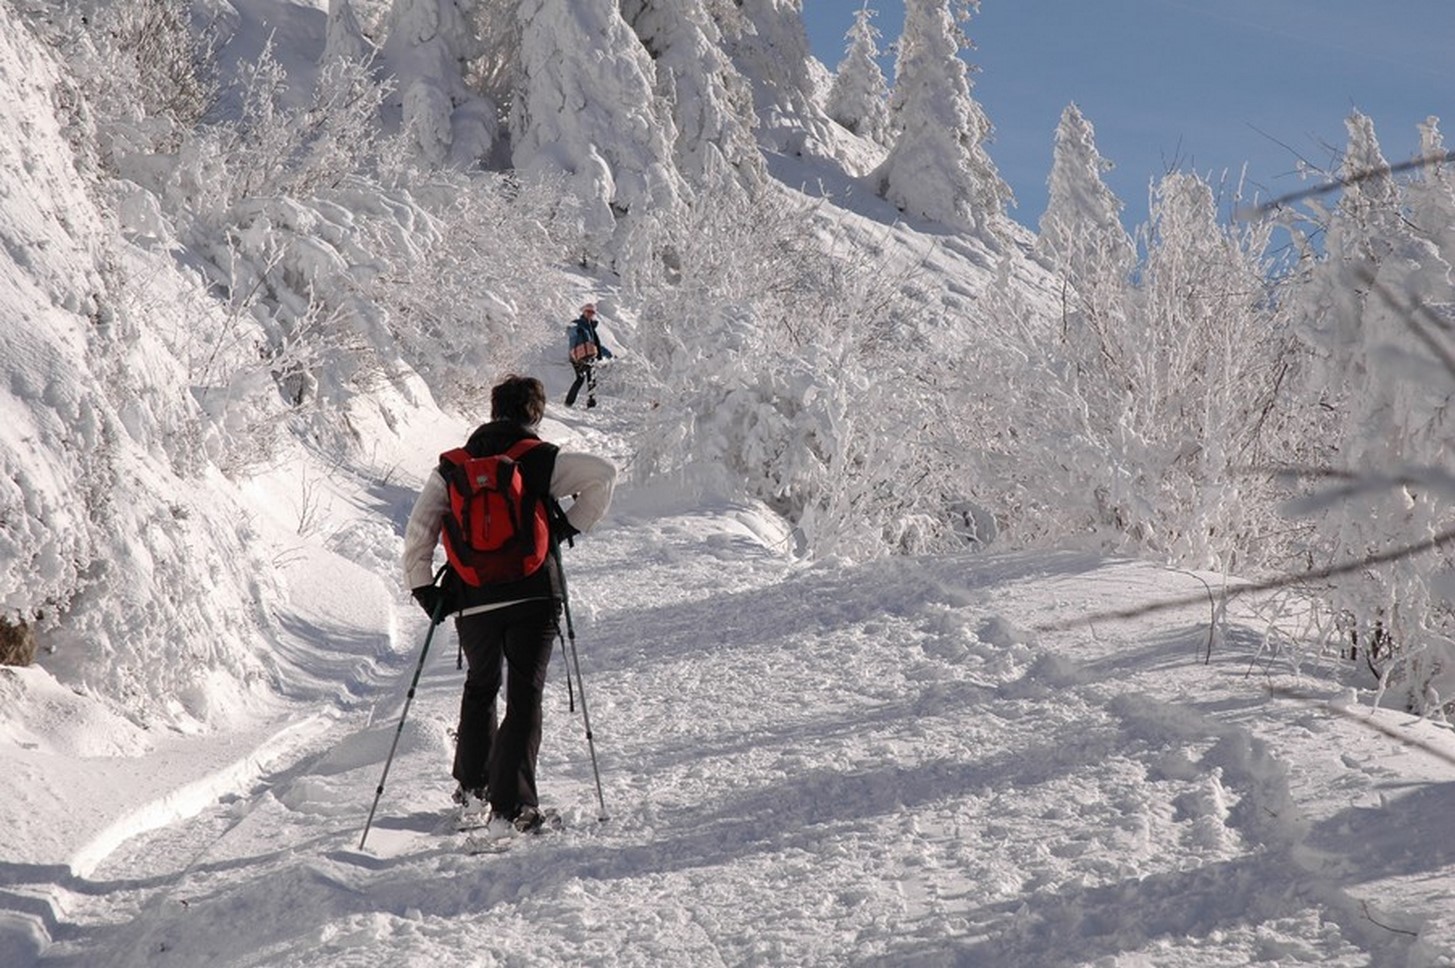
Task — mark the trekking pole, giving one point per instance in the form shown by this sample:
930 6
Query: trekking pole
580 683
570 690
434 621
581 688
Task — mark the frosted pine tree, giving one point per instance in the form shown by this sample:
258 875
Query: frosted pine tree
712 104
587 110
859 97
1372 311
1431 195
937 167
767 41
345 38
427 47
1081 230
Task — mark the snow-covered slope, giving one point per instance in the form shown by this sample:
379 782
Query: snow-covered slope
909 762
917 761
110 514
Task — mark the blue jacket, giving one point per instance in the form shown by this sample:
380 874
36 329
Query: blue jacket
583 331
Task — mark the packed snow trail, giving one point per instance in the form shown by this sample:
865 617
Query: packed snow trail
818 765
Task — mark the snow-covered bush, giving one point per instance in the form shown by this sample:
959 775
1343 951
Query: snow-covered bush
782 369
143 76
274 149
1143 414
106 538
1375 312
472 300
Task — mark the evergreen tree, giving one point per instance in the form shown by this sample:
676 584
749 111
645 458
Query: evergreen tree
427 48
344 37
937 167
767 42
586 109
859 96
711 102
1081 230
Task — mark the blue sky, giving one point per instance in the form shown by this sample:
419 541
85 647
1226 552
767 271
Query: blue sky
1205 86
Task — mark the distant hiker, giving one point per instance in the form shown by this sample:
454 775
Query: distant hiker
514 619
586 349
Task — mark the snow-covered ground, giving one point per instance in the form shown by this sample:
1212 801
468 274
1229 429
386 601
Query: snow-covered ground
906 762
802 764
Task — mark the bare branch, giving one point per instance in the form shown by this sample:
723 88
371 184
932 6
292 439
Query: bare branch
1440 540
1379 171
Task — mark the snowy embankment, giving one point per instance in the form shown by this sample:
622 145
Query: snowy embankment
818 764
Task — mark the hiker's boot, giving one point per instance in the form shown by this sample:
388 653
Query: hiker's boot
529 820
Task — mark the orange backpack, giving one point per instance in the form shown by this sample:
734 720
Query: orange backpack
497 530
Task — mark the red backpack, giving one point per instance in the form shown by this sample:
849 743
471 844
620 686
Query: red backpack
496 530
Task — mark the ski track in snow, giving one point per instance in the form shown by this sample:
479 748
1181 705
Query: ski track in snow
807 765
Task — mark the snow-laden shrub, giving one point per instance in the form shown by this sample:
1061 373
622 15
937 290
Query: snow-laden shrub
1375 312
342 267
474 301
272 148
803 435
788 368
107 548
1143 414
140 76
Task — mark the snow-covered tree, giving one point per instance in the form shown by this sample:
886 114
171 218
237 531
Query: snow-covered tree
859 97
937 167
1375 312
1081 229
344 36
1136 418
767 41
1430 195
587 111
427 49
711 102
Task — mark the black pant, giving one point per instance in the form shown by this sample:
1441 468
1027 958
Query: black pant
504 757
584 374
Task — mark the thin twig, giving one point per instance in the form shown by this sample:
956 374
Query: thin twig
1344 181
1213 606
1283 581
1380 924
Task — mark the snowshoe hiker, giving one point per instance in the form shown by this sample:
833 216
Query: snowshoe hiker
586 349
501 582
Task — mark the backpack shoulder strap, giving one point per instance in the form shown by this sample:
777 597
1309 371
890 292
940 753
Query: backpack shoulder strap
522 447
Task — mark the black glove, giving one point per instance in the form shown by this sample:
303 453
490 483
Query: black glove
563 531
432 598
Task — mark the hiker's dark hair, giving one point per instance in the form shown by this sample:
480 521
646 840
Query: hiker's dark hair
518 398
